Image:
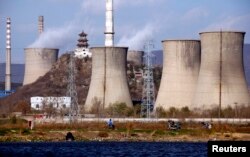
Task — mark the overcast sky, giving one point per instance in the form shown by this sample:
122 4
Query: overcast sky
135 22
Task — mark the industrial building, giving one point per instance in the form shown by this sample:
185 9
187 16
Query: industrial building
221 80
203 73
40 103
181 65
38 61
108 80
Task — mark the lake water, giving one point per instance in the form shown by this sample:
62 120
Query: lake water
104 149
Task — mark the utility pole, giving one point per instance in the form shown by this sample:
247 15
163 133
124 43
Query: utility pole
148 93
71 89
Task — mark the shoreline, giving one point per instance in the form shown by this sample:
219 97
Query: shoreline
123 132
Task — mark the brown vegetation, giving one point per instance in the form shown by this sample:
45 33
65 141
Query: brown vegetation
130 131
241 111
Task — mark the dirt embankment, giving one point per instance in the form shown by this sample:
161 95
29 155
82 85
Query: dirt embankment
123 132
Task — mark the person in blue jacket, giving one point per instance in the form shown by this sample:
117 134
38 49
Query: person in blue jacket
110 124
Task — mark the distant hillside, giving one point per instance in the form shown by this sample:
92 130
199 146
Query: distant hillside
158 57
17 72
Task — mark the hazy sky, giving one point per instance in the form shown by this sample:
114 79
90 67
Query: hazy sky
135 21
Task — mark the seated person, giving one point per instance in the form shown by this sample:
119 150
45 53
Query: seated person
110 124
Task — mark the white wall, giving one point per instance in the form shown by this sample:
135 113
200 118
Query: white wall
57 102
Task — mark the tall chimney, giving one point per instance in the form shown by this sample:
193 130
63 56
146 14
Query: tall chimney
40 25
109 32
8 57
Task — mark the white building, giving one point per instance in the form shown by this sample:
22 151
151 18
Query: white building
82 50
38 103
82 53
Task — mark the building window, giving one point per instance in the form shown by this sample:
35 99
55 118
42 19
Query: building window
37 105
64 106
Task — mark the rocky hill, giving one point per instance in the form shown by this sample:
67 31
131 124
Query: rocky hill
53 83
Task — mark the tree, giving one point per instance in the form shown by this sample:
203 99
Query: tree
160 112
172 112
22 106
119 110
185 112
97 106
137 110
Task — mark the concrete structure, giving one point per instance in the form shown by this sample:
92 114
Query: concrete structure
181 64
40 25
221 77
38 61
108 81
109 32
8 56
37 103
135 56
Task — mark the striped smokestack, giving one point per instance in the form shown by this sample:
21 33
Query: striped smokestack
109 32
8 56
40 25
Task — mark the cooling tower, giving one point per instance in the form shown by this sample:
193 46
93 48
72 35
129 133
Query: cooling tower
108 80
38 61
135 56
181 64
221 79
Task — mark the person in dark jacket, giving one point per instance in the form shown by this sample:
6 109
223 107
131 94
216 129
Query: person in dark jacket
70 137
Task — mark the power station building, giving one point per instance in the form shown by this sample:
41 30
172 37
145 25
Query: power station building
40 103
181 65
221 78
108 80
38 61
204 74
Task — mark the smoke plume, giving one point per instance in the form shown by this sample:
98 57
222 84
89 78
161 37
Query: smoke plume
55 37
137 41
